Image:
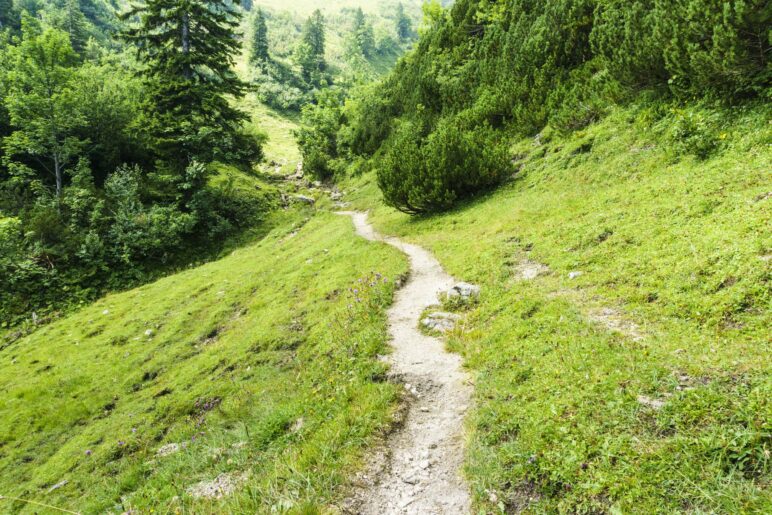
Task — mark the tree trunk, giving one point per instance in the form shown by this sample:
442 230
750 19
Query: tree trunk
188 73
58 173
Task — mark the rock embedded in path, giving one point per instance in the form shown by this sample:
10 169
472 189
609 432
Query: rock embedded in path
464 291
440 321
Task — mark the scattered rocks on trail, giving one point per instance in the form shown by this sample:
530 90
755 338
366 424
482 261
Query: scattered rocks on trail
217 488
464 291
440 321
168 449
528 270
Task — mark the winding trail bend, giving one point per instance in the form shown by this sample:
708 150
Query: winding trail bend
420 472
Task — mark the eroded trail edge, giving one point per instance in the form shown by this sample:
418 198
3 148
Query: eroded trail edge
421 469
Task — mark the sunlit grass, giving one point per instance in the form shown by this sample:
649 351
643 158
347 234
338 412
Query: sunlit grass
259 366
676 245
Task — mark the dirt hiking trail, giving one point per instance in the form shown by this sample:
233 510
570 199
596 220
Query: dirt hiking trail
420 469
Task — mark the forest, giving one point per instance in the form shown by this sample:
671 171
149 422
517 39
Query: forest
115 138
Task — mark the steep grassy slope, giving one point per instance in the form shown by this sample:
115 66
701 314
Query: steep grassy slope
642 385
261 367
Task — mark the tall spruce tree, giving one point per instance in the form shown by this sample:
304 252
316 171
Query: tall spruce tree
258 51
8 17
310 51
362 37
404 26
75 24
188 48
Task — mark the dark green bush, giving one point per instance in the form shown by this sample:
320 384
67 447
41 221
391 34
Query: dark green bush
423 175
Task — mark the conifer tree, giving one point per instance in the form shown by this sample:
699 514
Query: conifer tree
259 47
363 40
76 25
8 17
310 51
404 26
188 48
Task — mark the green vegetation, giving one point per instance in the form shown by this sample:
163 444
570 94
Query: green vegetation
261 365
496 70
306 51
600 167
108 164
643 385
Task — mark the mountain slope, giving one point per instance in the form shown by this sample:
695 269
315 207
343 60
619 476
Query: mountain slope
621 344
259 369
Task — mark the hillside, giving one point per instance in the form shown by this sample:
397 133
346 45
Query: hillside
621 344
258 369
363 257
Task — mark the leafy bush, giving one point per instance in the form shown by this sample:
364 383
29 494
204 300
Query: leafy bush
418 176
318 137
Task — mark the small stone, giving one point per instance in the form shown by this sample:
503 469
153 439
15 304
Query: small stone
305 200
297 425
652 403
336 196
149 333
424 464
58 485
166 450
106 312
464 291
574 274
440 321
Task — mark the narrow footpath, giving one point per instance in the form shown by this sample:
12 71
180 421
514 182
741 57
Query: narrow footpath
421 468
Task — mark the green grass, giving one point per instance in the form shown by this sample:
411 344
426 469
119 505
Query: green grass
677 245
261 365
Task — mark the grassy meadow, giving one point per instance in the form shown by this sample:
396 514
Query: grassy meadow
642 383
259 369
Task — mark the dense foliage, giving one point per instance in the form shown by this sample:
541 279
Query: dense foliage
294 58
515 66
105 162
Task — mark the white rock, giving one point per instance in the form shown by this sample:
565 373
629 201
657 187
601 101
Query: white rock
652 403
575 274
149 333
106 312
305 200
464 291
440 321
166 450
